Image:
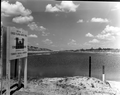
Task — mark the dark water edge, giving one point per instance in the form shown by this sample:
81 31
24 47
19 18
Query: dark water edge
74 64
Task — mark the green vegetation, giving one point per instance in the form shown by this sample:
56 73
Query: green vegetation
33 48
100 50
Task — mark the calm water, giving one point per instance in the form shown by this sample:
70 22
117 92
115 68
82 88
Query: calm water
72 64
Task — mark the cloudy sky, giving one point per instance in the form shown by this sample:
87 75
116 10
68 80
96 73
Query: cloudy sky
60 25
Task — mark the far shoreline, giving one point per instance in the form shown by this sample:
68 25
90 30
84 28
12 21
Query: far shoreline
50 52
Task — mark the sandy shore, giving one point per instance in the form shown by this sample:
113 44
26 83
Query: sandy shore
68 86
115 84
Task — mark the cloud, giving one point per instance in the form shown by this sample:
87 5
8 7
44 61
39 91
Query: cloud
33 36
111 29
87 21
37 43
4 15
17 9
99 20
94 41
68 6
80 21
34 26
86 43
53 34
57 15
72 42
45 34
22 19
109 33
107 36
8 9
89 35
49 8
65 6
117 7
47 41
42 28
53 45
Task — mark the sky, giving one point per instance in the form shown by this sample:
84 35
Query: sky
65 25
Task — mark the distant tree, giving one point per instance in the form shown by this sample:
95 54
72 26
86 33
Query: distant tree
92 48
99 48
82 49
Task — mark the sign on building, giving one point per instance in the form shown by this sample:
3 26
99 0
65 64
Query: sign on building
17 43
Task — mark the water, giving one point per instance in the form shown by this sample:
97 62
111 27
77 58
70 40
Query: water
74 64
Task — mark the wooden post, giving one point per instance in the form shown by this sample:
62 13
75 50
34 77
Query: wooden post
8 63
89 66
15 74
103 75
19 72
1 71
25 72
1 60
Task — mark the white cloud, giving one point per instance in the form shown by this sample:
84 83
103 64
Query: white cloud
34 26
111 29
17 9
94 41
87 21
53 34
65 6
117 7
45 34
4 15
68 6
33 36
80 21
109 33
72 42
57 15
86 43
8 9
99 20
89 35
37 43
49 8
41 28
47 41
53 45
106 36
23 19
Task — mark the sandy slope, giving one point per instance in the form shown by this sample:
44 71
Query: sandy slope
68 86
115 85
